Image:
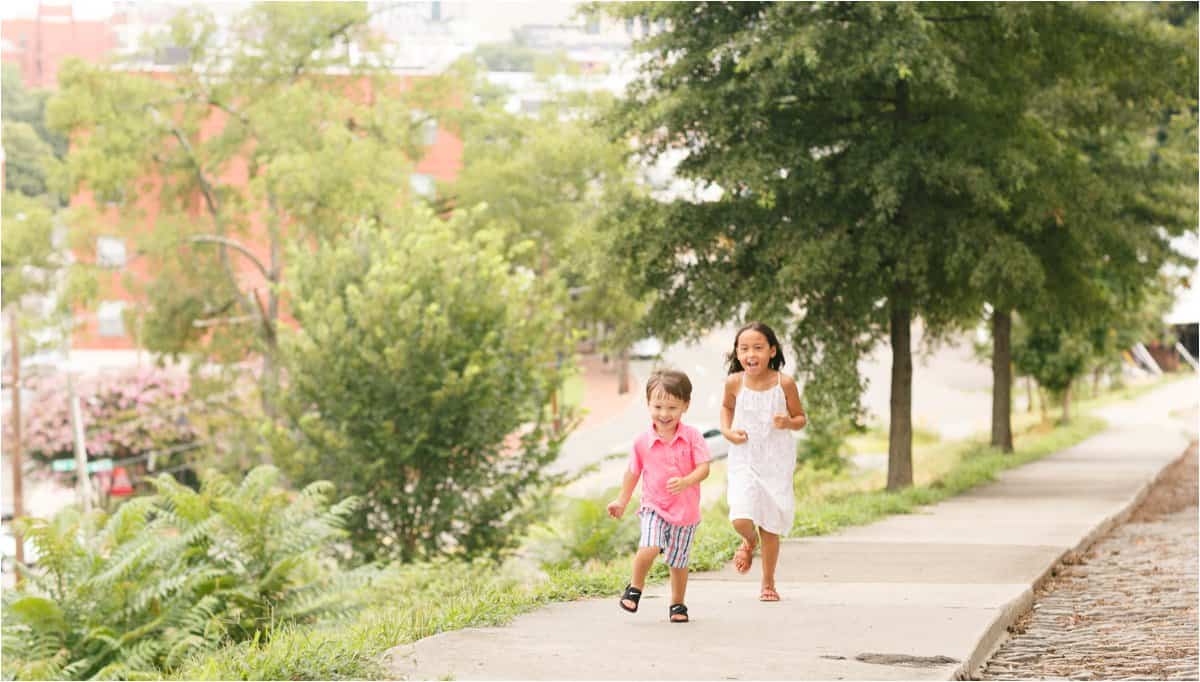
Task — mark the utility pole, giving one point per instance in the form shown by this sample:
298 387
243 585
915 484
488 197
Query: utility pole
15 448
83 485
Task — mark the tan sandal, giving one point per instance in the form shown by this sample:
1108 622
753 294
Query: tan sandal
768 594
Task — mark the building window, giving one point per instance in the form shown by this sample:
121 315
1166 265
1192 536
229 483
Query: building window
429 127
422 184
109 318
436 11
110 252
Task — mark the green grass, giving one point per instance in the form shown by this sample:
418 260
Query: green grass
421 600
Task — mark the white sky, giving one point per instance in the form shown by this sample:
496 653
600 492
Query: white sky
498 16
83 9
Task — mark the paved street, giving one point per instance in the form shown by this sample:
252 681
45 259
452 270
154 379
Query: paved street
951 395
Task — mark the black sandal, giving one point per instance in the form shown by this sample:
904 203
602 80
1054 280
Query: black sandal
678 610
634 595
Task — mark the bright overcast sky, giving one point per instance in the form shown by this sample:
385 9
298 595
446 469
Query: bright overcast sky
84 9
498 15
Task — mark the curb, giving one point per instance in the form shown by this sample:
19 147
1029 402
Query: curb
997 632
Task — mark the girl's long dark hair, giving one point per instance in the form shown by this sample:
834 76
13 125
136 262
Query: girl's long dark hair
774 363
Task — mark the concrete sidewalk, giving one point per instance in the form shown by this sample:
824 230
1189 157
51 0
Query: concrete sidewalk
920 596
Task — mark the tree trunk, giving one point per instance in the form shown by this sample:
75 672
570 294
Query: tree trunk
900 430
1066 408
1002 380
623 372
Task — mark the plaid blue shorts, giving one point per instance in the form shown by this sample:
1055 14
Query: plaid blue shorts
673 542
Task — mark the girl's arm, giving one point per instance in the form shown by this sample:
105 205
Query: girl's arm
727 404
795 419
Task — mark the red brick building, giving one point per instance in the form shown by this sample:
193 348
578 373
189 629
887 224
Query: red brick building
39 45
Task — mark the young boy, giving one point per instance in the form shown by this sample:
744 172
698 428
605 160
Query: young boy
672 459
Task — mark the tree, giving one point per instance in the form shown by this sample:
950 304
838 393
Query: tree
31 151
547 182
31 261
1089 208
29 257
855 149
1054 355
288 126
418 379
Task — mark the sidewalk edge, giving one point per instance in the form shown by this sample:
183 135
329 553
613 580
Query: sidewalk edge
997 631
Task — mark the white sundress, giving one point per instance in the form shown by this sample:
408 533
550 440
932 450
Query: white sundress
760 470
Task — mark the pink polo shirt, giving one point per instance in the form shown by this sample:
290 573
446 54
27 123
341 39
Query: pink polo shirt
658 461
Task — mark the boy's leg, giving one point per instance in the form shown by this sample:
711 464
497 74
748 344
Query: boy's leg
679 578
649 546
642 561
678 555
770 558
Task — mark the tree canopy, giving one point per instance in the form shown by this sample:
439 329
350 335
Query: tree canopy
860 150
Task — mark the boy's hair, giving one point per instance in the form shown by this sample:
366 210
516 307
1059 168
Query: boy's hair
774 363
670 381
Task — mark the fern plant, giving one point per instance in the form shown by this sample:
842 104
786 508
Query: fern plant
131 595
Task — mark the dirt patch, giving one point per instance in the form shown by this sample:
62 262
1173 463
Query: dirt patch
1178 489
906 659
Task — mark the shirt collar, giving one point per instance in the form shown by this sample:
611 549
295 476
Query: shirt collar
655 437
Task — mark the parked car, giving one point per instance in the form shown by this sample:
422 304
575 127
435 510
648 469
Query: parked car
648 348
8 550
718 447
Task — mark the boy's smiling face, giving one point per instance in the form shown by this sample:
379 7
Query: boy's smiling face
666 410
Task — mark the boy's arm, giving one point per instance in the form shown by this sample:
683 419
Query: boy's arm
616 508
698 474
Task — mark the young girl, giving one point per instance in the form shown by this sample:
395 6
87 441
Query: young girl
760 411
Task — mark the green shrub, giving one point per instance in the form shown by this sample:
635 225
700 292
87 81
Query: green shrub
582 532
132 594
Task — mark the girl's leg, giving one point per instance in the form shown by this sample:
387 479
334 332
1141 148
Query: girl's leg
743 557
642 561
770 558
679 577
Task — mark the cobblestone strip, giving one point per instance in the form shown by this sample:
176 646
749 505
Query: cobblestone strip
1127 609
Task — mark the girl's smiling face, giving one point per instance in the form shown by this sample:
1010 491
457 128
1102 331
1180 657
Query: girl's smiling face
754 352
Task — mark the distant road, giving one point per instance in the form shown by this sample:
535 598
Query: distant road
951 394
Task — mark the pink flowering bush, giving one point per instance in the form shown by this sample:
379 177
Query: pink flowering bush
124 414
